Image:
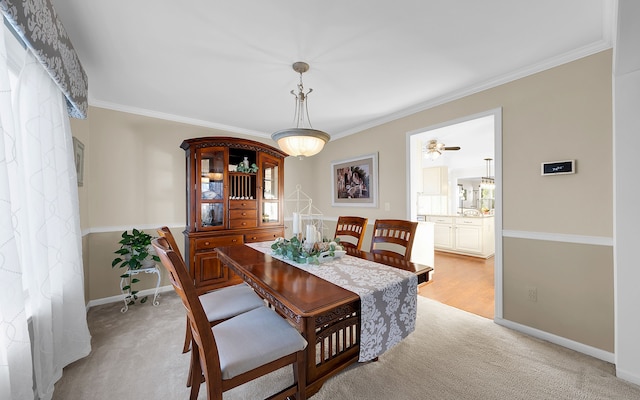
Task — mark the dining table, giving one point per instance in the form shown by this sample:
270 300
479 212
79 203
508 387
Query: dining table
349 309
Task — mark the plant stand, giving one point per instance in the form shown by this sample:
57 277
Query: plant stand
127 282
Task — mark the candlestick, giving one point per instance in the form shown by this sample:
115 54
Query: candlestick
296 223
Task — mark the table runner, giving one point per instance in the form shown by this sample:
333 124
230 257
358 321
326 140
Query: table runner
388 297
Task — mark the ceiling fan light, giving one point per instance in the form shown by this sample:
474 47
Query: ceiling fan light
433 154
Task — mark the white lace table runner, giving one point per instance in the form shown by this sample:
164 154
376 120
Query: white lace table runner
388 297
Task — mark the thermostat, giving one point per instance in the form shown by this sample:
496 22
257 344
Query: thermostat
559 167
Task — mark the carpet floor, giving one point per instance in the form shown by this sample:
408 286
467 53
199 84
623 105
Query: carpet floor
452 355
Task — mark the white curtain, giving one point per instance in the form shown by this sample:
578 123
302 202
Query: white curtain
41 276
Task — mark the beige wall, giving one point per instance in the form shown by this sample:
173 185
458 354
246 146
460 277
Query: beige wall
136 173
574 289
134 178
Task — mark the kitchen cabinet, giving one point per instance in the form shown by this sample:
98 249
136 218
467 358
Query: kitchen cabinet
473 236
442 232
234 196
435 181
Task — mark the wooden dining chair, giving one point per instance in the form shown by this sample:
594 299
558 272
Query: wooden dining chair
220 304
239 349
393 237
351 228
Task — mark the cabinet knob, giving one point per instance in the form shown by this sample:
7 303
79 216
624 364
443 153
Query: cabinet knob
244 213
253 238
244 204
244 223
234 240
206 243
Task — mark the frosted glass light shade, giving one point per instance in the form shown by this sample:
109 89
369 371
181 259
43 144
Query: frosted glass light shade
301 142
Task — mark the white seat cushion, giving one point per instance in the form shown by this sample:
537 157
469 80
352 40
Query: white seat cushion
253 339
230 301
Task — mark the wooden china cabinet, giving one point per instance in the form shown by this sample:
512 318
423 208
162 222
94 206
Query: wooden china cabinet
226 207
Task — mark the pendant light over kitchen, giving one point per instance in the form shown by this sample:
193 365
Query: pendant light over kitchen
303 140
488 182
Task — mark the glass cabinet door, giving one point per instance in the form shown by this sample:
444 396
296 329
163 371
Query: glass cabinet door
211 191
270 193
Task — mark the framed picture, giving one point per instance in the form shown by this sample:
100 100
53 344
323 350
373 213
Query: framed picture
78 155
354 182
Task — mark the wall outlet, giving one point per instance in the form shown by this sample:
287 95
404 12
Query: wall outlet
387 206
532 293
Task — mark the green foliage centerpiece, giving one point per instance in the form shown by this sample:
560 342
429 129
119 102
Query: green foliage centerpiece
308 252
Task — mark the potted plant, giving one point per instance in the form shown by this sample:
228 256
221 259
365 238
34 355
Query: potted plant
135 253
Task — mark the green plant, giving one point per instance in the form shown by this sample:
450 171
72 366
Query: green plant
299 252
134 254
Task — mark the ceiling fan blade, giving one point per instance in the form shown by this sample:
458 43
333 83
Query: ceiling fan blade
452 148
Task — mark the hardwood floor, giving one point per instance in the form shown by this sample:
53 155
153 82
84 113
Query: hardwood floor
463 282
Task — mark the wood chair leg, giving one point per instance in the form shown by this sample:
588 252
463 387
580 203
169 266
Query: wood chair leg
187 339
195 370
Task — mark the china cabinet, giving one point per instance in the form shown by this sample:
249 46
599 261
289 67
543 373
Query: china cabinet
234 196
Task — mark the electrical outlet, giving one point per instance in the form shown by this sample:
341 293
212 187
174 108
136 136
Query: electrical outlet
387 206
532 293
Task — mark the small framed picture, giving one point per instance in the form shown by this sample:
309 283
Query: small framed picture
78 155
354 182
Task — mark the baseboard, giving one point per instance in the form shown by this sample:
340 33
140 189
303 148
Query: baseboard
635 379
559 340
119 298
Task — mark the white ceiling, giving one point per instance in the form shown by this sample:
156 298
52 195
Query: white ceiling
227 64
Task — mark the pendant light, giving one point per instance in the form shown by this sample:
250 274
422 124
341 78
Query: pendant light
487 182
303 140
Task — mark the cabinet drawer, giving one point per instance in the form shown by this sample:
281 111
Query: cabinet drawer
263 236
469 221
242 223
440 220
213 242
243 204
243 214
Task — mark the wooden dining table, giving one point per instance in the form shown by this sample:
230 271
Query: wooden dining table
327 315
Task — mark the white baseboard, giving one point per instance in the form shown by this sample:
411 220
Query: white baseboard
120 298
635 379
559 340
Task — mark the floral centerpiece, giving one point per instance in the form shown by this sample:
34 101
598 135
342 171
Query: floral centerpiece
307 252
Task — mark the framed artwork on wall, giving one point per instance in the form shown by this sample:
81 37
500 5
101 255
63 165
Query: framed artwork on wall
354 182
78 155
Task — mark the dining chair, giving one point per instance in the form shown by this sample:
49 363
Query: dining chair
393 237
219 304
239 349
349 228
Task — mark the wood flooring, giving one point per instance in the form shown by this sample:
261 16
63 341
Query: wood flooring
462 282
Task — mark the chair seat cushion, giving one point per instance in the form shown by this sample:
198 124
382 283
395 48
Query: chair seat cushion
229 301
253 339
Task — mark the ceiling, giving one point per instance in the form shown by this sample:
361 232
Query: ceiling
227 64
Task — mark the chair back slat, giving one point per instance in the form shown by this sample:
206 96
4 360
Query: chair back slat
393 237
350 231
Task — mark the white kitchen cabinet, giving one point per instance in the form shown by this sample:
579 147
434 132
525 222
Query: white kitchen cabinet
442 232
435 181
473 236
468 235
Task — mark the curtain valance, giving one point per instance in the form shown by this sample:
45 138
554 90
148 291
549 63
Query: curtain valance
39 27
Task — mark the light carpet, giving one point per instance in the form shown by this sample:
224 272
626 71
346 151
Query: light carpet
452 355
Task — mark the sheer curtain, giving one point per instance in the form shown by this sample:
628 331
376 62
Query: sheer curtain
41 276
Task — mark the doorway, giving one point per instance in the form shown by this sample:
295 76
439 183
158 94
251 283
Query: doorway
478 137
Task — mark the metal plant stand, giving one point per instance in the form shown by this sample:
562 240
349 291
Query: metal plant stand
126 281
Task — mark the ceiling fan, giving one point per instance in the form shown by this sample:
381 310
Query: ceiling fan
433 149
